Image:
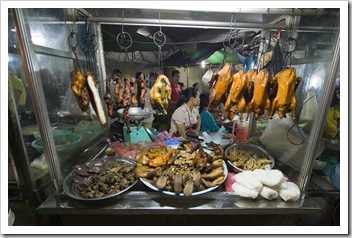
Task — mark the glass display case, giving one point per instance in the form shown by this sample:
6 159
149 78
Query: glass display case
55 134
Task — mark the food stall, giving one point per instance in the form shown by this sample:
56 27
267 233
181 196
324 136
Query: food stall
68 134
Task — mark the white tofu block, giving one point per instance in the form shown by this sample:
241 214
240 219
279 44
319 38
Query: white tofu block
244 191
291 193
268 193
269 178
247 179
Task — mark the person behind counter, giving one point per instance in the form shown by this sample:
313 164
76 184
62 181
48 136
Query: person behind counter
208 123
196 85
186 115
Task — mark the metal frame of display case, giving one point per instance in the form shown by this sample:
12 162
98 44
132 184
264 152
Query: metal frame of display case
59 204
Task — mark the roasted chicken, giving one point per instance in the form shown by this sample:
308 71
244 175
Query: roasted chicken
260 101
118 89
107 97
220 83
133 89
160 94
95 97
285 100
126 103
142 90
79 89
248 89
235 101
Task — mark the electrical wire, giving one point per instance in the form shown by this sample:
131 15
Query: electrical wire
296 123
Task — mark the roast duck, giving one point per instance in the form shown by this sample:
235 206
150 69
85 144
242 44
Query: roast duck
254 92
219 83
285 100
160 94
85 89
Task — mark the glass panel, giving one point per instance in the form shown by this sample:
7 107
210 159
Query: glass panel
26 120
74 132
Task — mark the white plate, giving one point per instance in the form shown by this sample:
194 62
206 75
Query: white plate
181 194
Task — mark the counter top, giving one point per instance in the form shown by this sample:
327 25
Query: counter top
142 201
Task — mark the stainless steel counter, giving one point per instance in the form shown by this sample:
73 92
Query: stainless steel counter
141 200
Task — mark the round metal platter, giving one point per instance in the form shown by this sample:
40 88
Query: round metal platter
253 149
181 194
71 190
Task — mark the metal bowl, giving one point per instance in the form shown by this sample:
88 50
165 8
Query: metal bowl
136 113
71 190
252 149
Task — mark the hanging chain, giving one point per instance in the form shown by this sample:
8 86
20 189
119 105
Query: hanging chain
289 47
88 44
162 40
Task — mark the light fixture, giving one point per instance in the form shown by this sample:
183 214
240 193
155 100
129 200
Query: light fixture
203 63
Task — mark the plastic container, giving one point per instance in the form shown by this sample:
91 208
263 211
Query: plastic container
242 130
62 142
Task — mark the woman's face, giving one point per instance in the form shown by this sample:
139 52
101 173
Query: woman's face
196 100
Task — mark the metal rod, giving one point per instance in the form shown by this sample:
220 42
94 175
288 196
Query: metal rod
273 11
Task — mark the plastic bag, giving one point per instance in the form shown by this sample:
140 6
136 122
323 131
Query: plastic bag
207 77
309 108
285 144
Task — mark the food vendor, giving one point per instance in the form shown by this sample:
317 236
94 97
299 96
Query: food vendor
186 116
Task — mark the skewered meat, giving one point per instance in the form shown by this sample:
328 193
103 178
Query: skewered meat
260 101
118 89
160 94
221 82
142 90
285 100
107 98
79 89
95 97
235 101
126 104
248 89
133 88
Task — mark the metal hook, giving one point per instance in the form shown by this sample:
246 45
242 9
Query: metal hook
122 35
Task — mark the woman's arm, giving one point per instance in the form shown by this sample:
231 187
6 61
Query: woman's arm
198 123
181 129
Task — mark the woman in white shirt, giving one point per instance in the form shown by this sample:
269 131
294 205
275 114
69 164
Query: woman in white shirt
186 117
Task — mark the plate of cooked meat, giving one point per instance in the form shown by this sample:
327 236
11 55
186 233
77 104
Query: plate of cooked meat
100 179
181 171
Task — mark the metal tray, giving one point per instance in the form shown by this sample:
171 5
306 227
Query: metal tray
71 190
